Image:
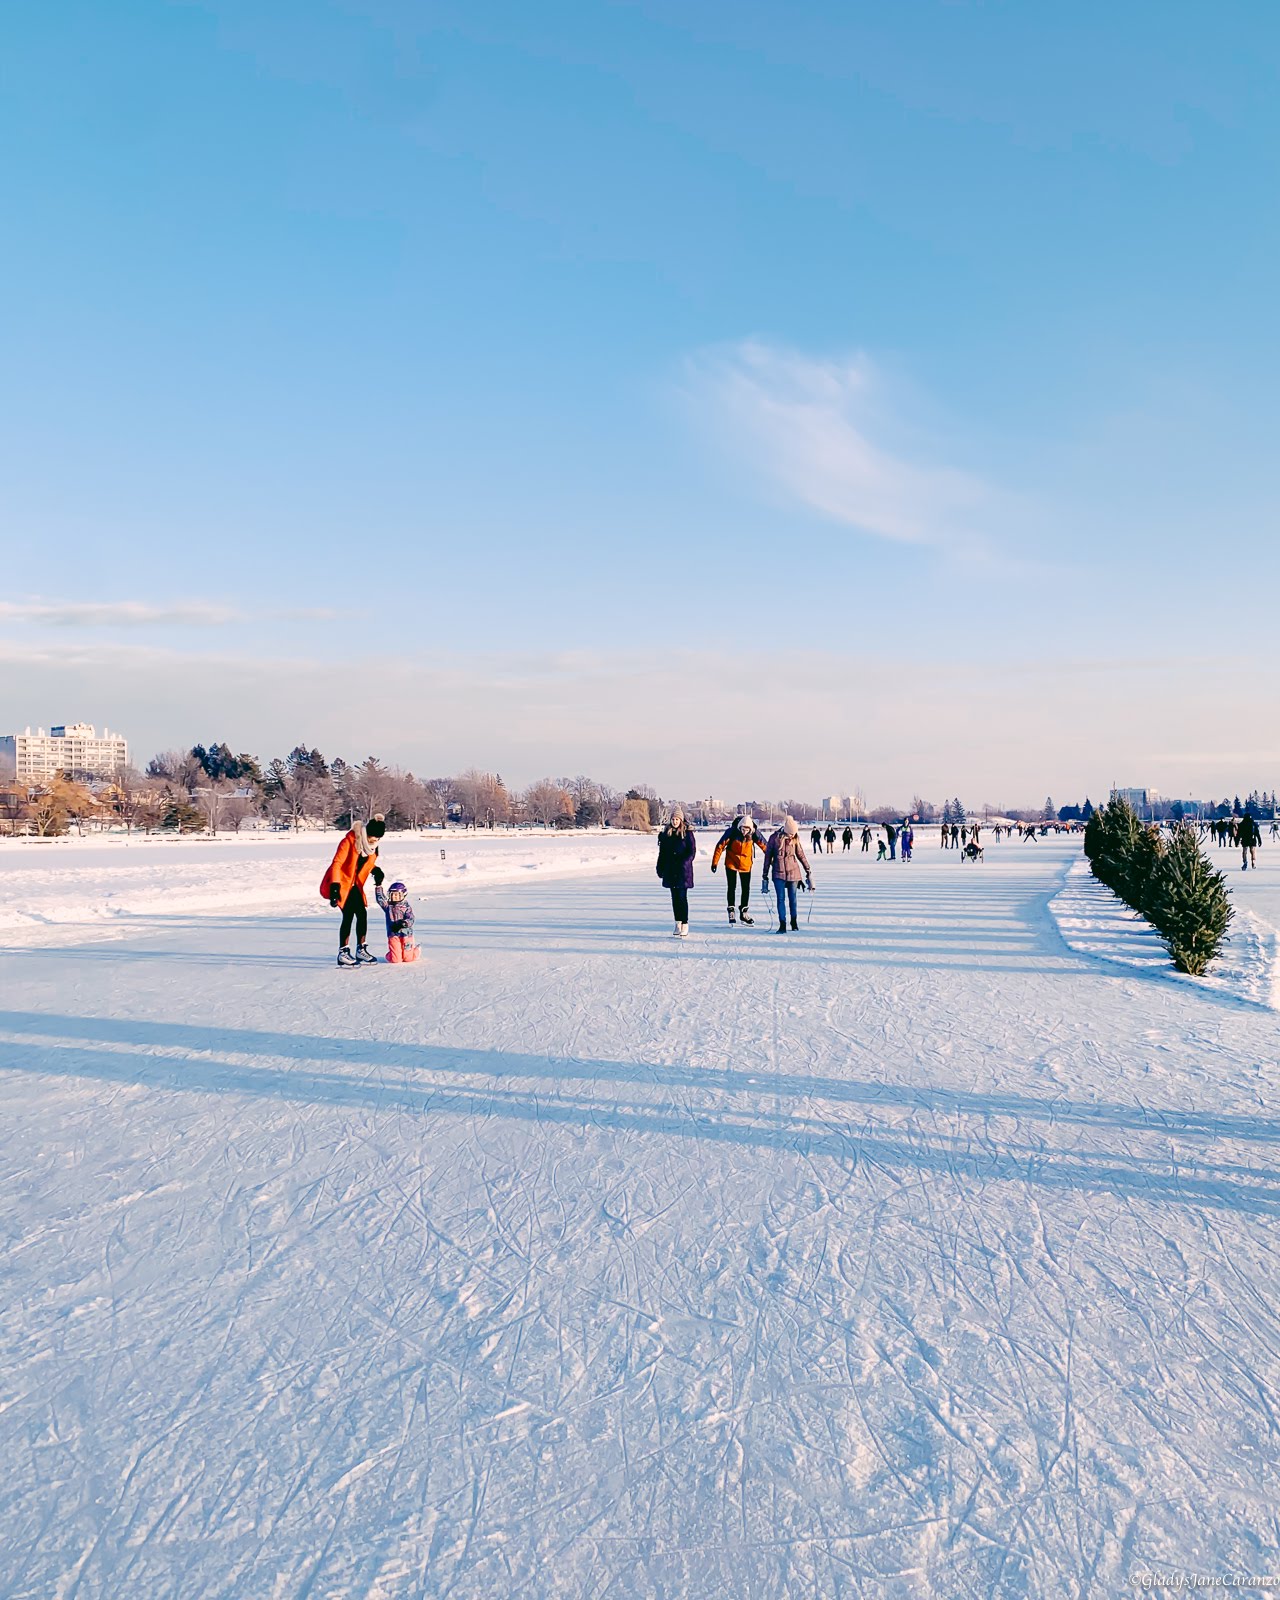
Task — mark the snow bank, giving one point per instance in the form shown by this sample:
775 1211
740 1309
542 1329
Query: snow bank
1096 922
70 887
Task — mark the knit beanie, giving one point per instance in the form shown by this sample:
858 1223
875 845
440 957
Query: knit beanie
376 827
791 826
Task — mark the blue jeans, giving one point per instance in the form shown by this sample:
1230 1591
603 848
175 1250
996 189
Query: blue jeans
786 892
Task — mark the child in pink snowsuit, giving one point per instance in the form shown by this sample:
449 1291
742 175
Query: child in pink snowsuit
400 945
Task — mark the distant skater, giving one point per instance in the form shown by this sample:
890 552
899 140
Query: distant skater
891 839
786 863
815 838
846 839
907 839
1250 839
882 854
866 840
354 862
676 850
830 837
738 845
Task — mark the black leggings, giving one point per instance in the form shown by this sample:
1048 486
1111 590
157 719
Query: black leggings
680 902
354 910
733 876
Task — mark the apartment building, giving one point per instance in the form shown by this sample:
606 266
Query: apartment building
72 747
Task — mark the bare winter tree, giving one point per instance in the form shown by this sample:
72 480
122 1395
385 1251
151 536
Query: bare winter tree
371 788
548 802
237 808
82 805
211 799
129 795
13 806
483 797
51 803
411 802
441 794
633 813
178 768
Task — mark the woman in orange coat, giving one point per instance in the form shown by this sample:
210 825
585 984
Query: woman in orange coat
354 862
738 844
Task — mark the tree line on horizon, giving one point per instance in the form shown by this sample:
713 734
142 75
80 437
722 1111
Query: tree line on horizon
211 788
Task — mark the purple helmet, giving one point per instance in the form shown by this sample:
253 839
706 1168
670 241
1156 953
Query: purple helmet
397 888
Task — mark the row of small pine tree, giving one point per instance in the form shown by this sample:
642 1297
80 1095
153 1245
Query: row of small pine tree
1168 881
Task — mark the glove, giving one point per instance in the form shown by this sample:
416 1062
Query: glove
335 894
378 875
714 868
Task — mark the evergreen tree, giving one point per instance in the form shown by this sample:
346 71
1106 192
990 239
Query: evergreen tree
1236 810
180 816
958 812
1191 906
1086 811
1048 814
312 760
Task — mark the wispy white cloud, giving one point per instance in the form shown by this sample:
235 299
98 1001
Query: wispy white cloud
821 429
135 614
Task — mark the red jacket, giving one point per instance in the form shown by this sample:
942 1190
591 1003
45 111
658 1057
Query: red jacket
343 870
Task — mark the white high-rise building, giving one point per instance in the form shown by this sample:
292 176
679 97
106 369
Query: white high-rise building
72 747
849 804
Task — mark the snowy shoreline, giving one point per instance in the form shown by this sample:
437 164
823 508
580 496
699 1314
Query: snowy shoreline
65 889
1095 922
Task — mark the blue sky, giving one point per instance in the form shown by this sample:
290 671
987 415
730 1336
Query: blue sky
744 397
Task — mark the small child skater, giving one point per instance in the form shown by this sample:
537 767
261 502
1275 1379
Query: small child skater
400 945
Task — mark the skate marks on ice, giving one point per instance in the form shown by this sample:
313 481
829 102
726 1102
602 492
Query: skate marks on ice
725 1107
590 1276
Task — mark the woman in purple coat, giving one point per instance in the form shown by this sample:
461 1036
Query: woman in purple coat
676 850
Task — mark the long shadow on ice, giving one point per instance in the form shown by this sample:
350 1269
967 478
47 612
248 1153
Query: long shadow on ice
126 1054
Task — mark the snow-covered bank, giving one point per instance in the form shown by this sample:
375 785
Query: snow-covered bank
1096 922
69 886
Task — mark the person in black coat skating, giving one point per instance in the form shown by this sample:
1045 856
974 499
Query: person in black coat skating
676 850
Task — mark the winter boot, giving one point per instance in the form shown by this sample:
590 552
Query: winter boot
781 928
345 958
795 926
733 916
364 954
743 917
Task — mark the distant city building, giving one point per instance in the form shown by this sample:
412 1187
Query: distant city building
1139 799
844 805
72 747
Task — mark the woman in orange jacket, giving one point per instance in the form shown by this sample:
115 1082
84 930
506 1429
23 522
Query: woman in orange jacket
738 844
354 862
